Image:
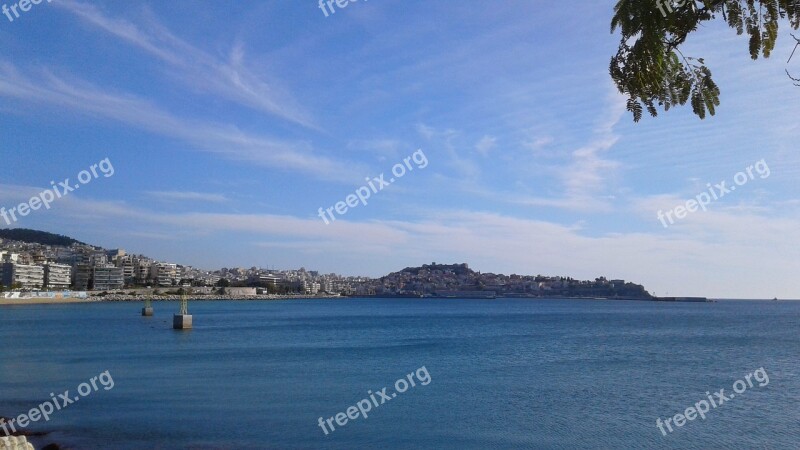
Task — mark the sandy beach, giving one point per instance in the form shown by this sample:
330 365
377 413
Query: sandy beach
42 301
123 298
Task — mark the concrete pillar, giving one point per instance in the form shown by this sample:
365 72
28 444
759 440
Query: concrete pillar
182 321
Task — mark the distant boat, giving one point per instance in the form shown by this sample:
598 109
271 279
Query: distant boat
775 299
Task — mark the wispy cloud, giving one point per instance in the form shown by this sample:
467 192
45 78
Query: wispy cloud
223 140
485 145
535 145
582 177
588 172
467 169
187 196
230 79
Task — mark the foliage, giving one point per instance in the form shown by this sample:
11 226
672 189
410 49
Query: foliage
649 67
37 237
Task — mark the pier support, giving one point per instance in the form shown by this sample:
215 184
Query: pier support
147 311
183 320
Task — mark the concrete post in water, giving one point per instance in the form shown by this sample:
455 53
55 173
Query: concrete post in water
147 311
183 320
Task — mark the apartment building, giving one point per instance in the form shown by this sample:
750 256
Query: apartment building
81 276
165 273
8 257
28 277
107 277
128 265
142 271
57 276
311 287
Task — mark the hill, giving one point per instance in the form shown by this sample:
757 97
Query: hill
37 237
459 280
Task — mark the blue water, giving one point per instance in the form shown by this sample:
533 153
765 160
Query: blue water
503 373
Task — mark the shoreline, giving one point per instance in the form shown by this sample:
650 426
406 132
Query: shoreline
141 299
43 301
267 297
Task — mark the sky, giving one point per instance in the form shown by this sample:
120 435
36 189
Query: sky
232 127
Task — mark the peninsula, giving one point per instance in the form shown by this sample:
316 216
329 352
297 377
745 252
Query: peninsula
39 264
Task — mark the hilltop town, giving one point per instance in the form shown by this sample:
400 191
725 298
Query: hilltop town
37 261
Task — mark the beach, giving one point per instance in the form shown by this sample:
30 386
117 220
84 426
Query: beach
162 298
43 301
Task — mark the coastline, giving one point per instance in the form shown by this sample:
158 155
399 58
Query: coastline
163 298
43 301
169 298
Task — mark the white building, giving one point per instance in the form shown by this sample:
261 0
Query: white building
141 271
7 257
107 277
28 277
127 264
165 273
311 287
57 276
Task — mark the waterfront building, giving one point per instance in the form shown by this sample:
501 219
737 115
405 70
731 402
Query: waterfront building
127 264
142 270
28 277
57 276
311 287
81 276
107 277
165 274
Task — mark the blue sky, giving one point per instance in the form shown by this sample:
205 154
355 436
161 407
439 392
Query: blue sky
229 124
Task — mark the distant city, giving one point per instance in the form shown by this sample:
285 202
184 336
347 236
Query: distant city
32 260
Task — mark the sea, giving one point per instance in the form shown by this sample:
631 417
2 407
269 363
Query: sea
501 374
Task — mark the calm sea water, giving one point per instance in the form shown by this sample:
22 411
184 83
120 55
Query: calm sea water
505 373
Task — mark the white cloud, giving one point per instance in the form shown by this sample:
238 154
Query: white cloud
537 144
187 196
467 169
485 145
201 71
223 140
